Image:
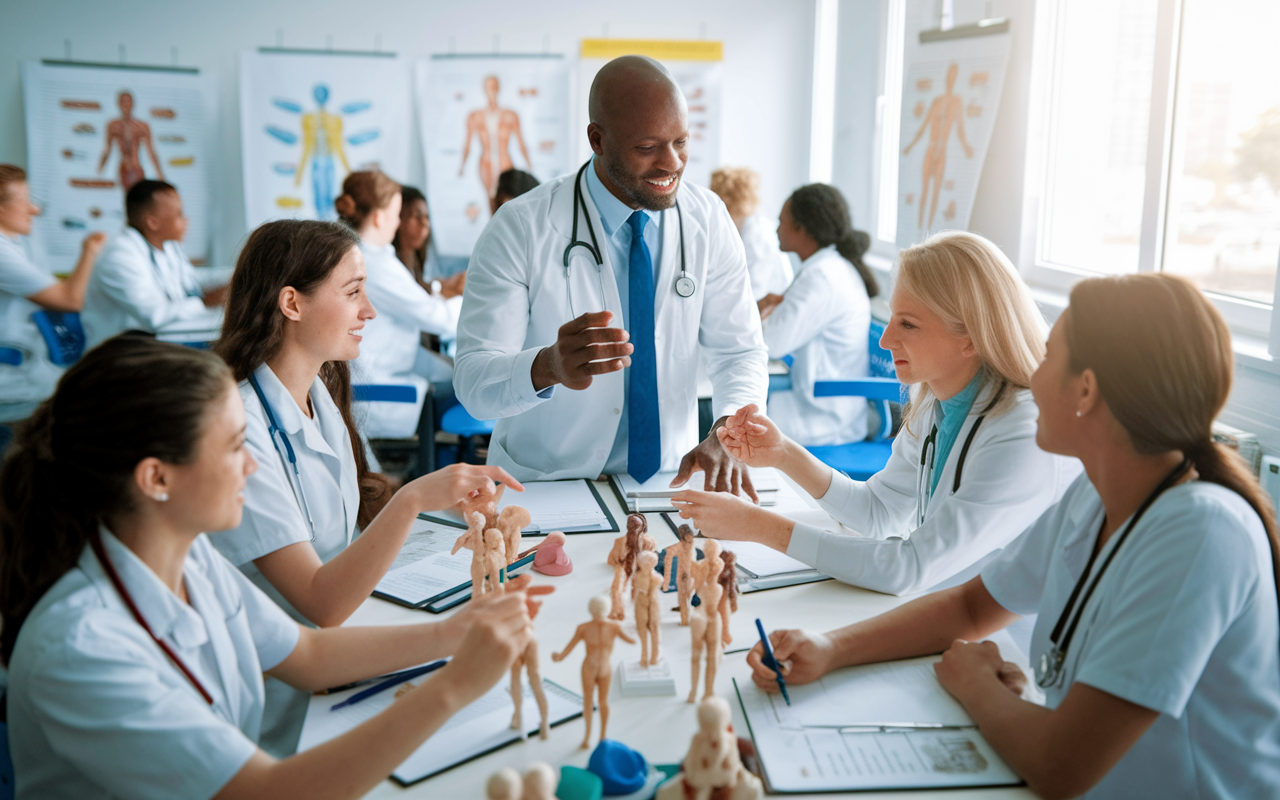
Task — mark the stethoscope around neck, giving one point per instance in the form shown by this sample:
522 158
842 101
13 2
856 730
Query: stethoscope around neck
684 285
288 458
928 459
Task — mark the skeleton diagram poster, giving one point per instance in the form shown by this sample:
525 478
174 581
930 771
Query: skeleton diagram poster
480 115
950 94
696 67
93 132
308 119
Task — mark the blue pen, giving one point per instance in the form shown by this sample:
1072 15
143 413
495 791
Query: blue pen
770 662
394 680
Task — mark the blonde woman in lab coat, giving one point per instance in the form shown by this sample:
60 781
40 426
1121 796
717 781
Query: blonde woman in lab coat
965 476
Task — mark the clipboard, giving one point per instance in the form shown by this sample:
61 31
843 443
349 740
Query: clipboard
531 497
749 581
453 596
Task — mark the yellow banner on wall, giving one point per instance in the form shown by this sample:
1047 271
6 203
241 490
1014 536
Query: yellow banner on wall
660 49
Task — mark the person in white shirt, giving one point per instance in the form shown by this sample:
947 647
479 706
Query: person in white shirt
1155 577
769 267
392 351
590 298
822 319
415 249
295 318
136 653
965 476
25 288
143 280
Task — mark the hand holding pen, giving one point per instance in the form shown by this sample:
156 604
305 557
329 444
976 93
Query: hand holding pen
802 657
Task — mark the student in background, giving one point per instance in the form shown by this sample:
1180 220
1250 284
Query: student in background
1154 578
414 248
143 280
511 184
136 652
25 288
769 268
392 352
295 318
823 318
965 476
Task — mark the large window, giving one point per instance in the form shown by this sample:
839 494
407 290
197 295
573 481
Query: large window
1163 146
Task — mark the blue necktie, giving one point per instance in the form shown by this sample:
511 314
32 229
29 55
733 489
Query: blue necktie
644 433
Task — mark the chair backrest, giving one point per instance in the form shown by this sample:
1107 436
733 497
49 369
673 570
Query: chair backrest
11 356
62 333
881 363
384 393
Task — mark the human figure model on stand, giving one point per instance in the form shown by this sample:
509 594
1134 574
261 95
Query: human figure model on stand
647 584
729 599
705 623
622 557
511 522
528 660
712 767
505 784
495 560
540 781
683 554
474 540
598 636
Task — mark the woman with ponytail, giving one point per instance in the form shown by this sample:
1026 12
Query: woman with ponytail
1158 637
295 316
823 318
135 651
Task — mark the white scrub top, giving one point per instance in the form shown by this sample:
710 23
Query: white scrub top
273 518
770 268
823 322
135 286
391 350
1184 622
22 386
1006 483
97 710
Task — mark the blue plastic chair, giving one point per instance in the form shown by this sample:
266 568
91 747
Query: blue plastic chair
458 422
861 460
63 334
405 393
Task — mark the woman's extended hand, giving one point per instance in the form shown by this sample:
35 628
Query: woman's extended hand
752 438
457 482
720 515
803 656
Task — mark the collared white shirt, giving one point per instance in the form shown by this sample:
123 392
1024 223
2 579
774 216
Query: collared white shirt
33 380
96 708
136 286
1183 622
823 322
391 347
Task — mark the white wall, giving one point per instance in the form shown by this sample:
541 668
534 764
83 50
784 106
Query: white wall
767 68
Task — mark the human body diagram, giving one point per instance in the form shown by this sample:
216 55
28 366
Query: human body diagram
946 111
493 126
130 135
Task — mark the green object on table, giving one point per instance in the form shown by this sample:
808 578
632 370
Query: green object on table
579 784
670 770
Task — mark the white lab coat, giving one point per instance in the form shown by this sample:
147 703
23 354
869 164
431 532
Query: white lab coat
137 287
23 386
823 322
97 710
770 268
1007 482
391 352
518 296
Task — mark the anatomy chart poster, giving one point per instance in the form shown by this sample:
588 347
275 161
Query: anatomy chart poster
696 67
93 132
307 120
950 94
480 116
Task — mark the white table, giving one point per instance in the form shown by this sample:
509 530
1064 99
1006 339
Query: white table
660 728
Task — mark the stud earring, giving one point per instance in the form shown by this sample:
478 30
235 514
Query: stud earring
161 497
1078 414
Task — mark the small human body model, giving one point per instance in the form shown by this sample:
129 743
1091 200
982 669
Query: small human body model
729 598
528 661
495 560
705 622
474 540
712 768
539 783
622 557
598 637
647 584
511 522
683 555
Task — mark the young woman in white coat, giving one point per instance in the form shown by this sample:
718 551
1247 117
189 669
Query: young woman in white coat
822 319
392 352
1154 578
136 652
295 315
965 476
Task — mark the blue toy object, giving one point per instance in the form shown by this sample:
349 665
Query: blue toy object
621 769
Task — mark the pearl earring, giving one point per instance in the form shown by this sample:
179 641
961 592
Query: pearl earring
1078 414
162 497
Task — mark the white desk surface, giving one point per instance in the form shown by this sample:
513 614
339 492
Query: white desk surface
659 727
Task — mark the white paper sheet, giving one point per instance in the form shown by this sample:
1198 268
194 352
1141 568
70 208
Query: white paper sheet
873 694
552 505
764 480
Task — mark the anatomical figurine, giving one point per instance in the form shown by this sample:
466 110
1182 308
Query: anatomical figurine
712 767
474 540
598 636
705 622
683 554
648 587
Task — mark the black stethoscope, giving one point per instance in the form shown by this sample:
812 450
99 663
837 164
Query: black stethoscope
1049 670
273 428
684 285
928 457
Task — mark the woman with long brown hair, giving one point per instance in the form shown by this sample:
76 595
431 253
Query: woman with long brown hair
294 320
136 652
1158 637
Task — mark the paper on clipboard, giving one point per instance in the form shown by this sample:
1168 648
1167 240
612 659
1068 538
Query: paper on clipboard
571 506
